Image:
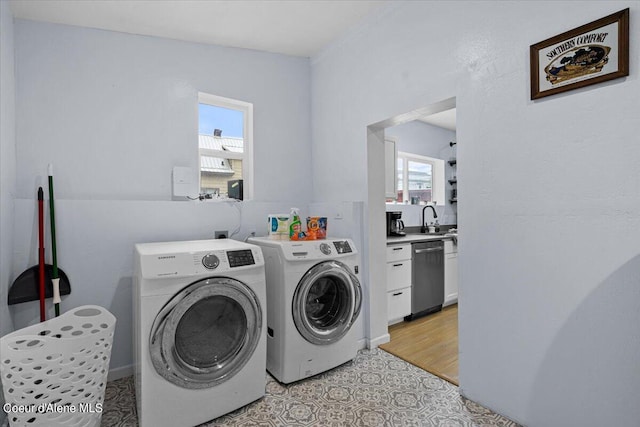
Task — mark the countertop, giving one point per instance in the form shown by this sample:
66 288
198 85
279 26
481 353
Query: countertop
419 237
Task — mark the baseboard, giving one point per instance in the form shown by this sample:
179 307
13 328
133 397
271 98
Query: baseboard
398 320
463 394
117 373
450 301
383 339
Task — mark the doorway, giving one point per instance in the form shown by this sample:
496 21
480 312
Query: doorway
431 342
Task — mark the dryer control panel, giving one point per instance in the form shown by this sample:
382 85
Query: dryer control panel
184 259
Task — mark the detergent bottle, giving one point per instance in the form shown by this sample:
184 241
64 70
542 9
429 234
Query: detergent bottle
295 225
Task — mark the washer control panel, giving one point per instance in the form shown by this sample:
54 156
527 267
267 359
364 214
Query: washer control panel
210 261
342 246
240 258
325 248
311 249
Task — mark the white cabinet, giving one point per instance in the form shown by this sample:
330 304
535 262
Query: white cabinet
398 274
398 282
398 304
390 176
450 272
399 252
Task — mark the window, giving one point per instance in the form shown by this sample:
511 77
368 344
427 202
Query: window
225 133
421 177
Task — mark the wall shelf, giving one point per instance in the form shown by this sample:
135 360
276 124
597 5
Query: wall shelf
453 182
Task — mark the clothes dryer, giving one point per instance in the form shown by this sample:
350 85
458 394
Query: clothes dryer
314 298
199 330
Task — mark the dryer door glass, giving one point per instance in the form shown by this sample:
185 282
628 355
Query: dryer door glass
326 302
206 333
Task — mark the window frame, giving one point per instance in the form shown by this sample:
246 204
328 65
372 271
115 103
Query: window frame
247 140
437 176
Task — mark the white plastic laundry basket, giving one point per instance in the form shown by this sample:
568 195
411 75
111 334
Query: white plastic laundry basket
55 373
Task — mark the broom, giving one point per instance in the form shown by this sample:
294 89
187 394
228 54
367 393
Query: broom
55 277
41 252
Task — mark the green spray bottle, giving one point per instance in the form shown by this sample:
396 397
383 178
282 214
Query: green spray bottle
295 225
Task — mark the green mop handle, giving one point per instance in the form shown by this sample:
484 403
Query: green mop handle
55 279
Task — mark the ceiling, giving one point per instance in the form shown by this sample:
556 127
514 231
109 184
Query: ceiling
291 27
445 119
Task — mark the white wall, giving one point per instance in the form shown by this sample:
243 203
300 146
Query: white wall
114 113
7 159
426 140
421 138
549 215
7 166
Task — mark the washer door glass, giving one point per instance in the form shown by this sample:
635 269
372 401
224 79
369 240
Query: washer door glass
326 302
206 333
211 332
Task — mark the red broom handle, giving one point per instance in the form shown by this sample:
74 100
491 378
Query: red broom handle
41 251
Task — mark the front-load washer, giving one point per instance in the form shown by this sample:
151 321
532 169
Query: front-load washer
199 330
313 305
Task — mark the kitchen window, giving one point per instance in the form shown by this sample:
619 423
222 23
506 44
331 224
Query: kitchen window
420 177
225 137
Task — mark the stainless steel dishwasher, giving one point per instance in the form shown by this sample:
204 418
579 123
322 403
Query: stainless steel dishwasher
427 278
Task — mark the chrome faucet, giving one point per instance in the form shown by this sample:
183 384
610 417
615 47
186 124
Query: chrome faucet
423 228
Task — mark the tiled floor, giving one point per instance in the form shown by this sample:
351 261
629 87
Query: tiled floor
376 389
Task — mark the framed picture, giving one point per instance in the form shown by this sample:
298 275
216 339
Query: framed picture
592 53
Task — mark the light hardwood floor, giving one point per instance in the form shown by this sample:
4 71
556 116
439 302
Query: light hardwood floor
430 343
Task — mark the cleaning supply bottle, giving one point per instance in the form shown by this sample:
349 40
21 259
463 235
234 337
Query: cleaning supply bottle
295 225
